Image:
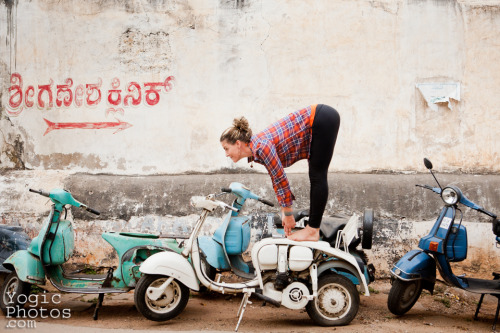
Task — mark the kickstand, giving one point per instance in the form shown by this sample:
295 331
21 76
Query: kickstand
242 308
478 306
98 305
496 314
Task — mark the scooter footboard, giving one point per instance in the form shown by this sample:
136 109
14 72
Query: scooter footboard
415 265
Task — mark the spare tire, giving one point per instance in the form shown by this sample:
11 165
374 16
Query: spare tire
368 218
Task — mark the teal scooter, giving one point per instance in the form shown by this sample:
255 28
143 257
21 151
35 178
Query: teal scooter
44 258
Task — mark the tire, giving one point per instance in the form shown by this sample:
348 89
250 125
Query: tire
20 290
403 296
168 306
368 218
337 303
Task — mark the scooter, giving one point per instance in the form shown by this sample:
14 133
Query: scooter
313 275
54 245
446 243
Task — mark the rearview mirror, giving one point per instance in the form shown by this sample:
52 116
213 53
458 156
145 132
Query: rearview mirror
428 164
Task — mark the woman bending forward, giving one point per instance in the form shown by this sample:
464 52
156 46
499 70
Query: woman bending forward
309 134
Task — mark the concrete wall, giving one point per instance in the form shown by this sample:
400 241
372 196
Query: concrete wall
261 59
120 101
160 205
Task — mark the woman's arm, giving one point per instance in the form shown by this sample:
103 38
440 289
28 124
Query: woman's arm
268 155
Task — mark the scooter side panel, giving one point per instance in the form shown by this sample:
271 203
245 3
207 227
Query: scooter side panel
28 267
171 264
214 252
320 246
414 265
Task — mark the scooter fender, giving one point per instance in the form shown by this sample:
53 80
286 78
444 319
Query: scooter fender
415 265
27 267
171 264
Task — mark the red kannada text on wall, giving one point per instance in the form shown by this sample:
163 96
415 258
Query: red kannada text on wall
64 95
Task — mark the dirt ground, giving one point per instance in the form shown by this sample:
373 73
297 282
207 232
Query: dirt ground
448 310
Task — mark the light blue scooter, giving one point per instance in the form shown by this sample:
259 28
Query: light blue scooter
54 246
446 243
321 277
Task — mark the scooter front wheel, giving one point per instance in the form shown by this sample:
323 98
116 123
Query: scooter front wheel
337 302
403 295
170 304
14 294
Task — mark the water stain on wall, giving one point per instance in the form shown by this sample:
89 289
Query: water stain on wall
11 36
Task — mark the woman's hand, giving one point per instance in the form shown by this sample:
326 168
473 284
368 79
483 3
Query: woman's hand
288 222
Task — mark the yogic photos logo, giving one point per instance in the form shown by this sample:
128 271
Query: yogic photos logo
22 310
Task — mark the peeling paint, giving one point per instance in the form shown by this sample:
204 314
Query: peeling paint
145 52
15 152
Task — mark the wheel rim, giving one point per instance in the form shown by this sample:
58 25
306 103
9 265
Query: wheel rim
333 301
168 300
10 289
409 294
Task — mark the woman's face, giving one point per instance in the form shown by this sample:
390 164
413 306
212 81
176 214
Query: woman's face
233 151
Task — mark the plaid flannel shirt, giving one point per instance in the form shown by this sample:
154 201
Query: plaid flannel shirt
281 145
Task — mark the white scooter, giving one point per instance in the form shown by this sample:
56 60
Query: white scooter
315 275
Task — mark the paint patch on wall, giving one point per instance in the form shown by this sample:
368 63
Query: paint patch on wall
56 161
145 52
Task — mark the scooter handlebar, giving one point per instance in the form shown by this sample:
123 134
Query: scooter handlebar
490 214
267 202
41 192
93 211
225 205
264 201
433 189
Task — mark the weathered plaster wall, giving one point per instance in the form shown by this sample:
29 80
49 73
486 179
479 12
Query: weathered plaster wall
107 97
261 59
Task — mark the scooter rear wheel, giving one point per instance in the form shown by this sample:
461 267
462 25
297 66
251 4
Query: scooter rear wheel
170 304
14 294
337 302
403 295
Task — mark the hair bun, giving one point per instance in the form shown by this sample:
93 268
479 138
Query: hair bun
239 131
241 124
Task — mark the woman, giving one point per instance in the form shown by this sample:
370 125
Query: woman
310 134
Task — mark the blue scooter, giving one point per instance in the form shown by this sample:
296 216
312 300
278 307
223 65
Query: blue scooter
446 242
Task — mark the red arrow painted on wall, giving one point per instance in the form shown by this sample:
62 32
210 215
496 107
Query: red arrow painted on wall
118 125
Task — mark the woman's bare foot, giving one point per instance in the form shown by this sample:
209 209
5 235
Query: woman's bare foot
306 234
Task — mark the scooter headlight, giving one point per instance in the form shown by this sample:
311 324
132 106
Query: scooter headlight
450 195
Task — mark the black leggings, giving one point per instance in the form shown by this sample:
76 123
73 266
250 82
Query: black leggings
324 135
